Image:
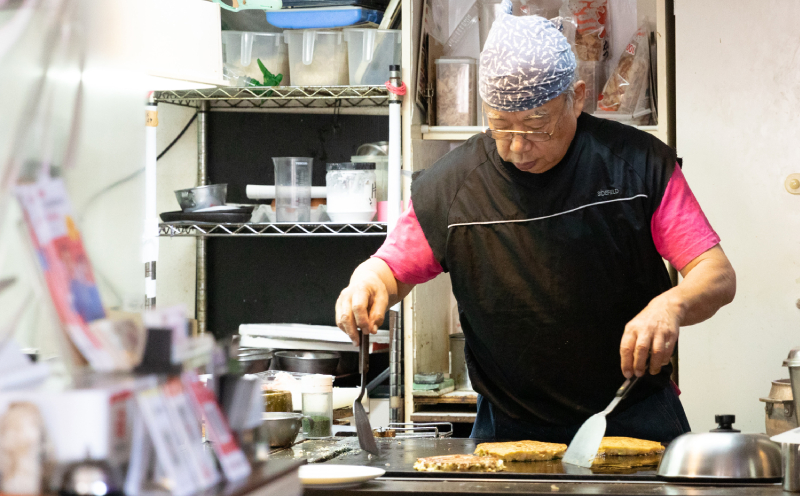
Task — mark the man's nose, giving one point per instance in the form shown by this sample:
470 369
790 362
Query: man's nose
520 145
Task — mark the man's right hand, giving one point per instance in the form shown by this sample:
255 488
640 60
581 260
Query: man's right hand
362 305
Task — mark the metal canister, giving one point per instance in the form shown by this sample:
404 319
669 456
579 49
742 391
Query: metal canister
793 362
458 365
791 467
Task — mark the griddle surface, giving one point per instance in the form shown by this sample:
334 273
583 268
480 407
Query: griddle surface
397 457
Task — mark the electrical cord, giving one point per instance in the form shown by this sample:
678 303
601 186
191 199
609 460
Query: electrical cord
134 174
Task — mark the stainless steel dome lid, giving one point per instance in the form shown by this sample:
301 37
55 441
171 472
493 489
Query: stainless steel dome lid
723 453
793 360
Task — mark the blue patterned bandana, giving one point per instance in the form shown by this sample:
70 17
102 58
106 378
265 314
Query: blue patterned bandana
525 63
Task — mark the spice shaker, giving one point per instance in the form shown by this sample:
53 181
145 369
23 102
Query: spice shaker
317 405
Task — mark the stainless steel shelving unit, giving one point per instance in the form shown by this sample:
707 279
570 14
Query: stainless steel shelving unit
208 229
309 98
277 97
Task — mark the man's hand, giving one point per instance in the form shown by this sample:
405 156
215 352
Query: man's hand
653 332
362 305
708 284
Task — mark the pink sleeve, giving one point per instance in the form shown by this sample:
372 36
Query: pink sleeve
680 229
407 252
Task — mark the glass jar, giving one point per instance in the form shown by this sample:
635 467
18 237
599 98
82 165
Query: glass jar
351 191
277 401
317 406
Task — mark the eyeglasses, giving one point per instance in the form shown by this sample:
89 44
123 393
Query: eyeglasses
509 134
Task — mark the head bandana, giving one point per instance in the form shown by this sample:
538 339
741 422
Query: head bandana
525 63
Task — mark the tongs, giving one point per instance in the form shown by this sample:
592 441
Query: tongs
366 439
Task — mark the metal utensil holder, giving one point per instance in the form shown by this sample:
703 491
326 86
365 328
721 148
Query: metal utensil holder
422 430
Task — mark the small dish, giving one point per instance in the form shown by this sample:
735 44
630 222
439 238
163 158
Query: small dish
337 476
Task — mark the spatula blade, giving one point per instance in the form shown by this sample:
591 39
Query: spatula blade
583 448
366 438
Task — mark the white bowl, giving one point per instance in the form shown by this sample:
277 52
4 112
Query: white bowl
352 217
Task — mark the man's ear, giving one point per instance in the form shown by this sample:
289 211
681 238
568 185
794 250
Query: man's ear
580 98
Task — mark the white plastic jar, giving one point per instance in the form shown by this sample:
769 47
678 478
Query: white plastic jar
351 191
317 406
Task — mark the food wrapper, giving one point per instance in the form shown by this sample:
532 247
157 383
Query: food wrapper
591 36
622 89
591 74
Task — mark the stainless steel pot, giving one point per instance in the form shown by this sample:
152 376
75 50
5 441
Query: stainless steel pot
283 427
779 406
254 361
723 453
311 362
458 364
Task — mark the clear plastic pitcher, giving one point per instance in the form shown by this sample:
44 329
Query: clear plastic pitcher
293 189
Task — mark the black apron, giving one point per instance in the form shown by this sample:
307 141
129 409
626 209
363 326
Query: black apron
548 268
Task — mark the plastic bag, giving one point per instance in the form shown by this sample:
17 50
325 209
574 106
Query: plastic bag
621 91
591 37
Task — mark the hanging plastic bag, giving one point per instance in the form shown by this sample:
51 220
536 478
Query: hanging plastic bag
591 37
621 91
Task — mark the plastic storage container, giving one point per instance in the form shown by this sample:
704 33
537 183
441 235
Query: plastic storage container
242 49
455 92
317 406
351 192
293 189
322 17
370 52
317 58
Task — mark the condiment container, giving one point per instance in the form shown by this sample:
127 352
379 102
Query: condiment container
317 406
793 362
241 51
455 92
277 401
317 57
370 52
351 191
458 364
293 188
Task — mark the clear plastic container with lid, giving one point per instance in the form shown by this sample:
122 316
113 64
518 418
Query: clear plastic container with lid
370 52
317 57
455 92
351 191
241 51
317 406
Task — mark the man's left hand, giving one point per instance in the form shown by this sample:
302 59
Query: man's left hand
653 332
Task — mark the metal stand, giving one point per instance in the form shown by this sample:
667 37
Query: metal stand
201 301
395 205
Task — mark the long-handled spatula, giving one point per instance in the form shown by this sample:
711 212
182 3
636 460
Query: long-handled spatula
366 439
583 448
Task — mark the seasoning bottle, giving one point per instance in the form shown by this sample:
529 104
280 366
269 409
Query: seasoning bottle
317 405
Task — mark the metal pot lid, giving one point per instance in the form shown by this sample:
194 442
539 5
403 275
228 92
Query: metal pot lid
793 360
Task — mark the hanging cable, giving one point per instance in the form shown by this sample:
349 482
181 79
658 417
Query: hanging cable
134 174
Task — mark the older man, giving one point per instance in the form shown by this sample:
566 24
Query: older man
553 225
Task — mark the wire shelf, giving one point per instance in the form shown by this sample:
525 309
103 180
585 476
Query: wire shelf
210 229
279 97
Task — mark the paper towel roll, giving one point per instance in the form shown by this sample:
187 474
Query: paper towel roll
261 192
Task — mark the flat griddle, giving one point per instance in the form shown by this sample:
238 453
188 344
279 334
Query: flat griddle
397 457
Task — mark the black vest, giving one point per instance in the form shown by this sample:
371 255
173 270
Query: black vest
548 268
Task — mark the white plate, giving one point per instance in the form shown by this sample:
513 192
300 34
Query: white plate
323 474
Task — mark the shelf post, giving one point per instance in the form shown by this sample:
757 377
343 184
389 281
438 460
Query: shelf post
202 180
394 209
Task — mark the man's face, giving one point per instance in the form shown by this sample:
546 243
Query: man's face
552 117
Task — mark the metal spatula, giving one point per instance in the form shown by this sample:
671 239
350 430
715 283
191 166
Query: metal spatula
366 439
583 448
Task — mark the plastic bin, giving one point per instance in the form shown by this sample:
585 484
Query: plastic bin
322 17
455 92
370 52
242 49
317 58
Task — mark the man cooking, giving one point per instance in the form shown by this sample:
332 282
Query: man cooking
553 225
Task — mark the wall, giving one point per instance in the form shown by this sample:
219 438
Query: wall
737 91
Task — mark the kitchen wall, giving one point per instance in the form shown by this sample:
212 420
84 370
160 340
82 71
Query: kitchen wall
738 96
